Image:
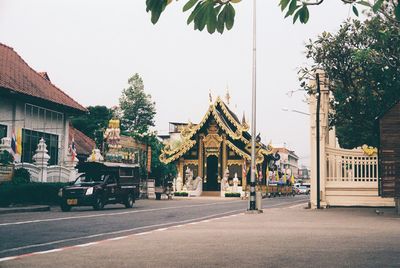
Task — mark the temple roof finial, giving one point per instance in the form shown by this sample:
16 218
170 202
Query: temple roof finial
227 96
210 96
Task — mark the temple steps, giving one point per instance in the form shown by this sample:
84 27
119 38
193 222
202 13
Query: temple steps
211 193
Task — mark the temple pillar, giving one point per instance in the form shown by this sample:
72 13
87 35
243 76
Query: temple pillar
180 167
224 154
201 157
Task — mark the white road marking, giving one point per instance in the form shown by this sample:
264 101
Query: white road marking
87 244
49 251
144 233
298 205
113 214
180 224
161 229
8 258
118 232
118 238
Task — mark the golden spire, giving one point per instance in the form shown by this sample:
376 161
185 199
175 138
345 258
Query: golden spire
227 96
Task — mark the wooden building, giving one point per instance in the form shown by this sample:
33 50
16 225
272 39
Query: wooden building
389 152
220 142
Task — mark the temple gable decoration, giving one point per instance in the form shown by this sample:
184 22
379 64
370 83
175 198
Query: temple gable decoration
212 142
215 146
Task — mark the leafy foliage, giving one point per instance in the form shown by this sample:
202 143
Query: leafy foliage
215 14
220 14
94 122
161 172
181 194
362 61
29 193
137 108
6 158
232 194
21 176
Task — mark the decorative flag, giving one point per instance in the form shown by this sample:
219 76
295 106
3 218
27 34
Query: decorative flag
284 177
292 179
19 141
276 175
14 143
72 149
244 171
148 159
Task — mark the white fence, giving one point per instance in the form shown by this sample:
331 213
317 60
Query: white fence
347 177
351 167
39 170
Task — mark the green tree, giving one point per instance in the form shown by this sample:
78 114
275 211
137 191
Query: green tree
137 108
93 123
159 171
220 14
362 62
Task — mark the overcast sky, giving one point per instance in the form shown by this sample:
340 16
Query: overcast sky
90 48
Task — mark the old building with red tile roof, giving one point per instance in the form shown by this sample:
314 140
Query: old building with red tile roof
18 78
32 107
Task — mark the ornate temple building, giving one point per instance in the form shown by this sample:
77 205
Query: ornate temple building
217 147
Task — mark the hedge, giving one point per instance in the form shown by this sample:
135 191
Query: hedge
181 194
232 194
30 193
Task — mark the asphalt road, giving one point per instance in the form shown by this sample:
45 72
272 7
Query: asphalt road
24 233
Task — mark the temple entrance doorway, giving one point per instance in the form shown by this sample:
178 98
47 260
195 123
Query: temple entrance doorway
212 174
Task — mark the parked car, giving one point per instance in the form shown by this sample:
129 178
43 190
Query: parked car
302 190
101 184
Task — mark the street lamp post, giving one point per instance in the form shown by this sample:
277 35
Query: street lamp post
252 203
318 141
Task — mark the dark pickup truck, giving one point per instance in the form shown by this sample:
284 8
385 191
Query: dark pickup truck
102 183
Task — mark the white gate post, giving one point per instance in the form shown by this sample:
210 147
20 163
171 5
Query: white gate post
41 159
324 132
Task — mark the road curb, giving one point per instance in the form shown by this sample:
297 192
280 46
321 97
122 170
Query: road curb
24 209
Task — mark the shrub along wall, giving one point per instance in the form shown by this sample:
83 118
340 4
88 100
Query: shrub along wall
181 194
29 193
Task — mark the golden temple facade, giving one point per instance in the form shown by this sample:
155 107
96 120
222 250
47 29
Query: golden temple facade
219 143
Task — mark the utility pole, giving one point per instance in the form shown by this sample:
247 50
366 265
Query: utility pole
252 203
318 141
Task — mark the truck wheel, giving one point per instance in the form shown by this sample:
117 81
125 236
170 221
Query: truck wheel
129 201
65 207
99 203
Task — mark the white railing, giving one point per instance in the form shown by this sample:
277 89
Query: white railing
351 167
53 173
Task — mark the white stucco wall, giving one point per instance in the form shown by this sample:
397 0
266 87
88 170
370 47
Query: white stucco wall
17 115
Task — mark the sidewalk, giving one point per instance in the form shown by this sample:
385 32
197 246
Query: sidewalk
17 209
279 237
